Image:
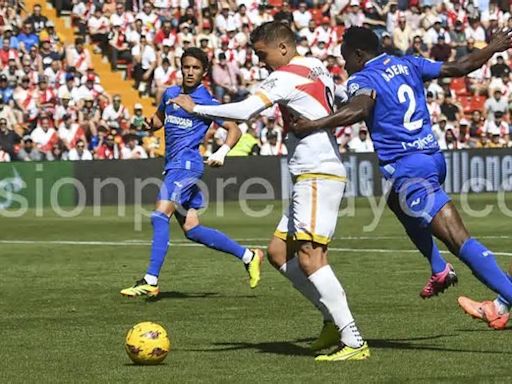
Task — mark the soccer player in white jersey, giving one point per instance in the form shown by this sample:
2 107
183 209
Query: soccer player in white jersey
302 87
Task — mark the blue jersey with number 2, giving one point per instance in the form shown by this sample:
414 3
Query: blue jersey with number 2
400 123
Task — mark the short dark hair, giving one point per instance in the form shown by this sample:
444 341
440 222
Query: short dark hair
361 38
273 31
198 54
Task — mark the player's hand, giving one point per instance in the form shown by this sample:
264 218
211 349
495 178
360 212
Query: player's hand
185 102
217 159
147 124
302 127
501 40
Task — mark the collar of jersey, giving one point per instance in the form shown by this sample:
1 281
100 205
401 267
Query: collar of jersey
195 89
375 59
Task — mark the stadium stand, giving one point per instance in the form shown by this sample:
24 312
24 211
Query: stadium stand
87 78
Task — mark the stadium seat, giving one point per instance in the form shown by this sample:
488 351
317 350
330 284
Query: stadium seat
477 103
458 85
465 102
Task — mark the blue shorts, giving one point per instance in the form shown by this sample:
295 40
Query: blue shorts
180 186
417 181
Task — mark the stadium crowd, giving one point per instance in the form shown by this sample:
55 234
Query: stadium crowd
52 104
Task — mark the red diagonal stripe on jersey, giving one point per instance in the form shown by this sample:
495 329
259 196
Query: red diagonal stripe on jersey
316 89
296 69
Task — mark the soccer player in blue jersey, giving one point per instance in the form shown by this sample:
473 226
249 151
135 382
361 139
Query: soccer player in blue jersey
179 195
387 92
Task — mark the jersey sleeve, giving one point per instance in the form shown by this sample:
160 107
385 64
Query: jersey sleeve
163 102
216 120
427 69
275 88
361 84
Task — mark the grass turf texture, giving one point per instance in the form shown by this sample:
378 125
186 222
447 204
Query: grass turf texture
62 319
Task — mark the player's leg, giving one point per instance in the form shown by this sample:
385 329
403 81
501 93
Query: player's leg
478 309
282 256
313 262
215 239
313 218
442 273
177 188
447 226
148 285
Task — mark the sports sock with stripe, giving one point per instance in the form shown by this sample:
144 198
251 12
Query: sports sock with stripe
482 263
502 304
291 270
334 298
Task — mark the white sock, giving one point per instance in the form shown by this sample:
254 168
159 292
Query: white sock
501 306
247 257
333 297
150 279
292 271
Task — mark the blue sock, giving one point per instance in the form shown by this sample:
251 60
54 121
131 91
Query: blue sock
501 299
423 240
482 263
160 244
215 239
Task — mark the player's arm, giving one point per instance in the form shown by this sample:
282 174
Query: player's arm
241 111
501 41
155 122
275 88
357 109
217 159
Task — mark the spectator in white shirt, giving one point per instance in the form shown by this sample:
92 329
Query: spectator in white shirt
115 114
79 152
69 88
273 147
165 76
99 28
225 20
495 104
361 143
497 124
132 149
144 57
432 35
302 16
440 129
4 155
433 107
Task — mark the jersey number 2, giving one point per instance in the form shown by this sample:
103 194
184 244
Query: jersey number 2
404 91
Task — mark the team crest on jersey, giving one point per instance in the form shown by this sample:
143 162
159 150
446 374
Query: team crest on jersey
269 84
353 88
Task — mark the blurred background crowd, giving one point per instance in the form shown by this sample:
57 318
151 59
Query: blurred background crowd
53 105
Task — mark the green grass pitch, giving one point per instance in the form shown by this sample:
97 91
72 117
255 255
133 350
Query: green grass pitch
62 319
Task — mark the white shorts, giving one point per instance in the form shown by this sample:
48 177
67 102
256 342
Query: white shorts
313 210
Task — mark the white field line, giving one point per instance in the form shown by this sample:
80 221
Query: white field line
189 244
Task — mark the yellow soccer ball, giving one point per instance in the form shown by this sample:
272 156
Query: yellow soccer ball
147 343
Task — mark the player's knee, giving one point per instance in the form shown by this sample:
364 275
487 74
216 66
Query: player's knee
191 232
275 254
312 257
159 217
186 227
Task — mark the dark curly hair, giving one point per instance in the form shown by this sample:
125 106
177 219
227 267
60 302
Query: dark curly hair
361 38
